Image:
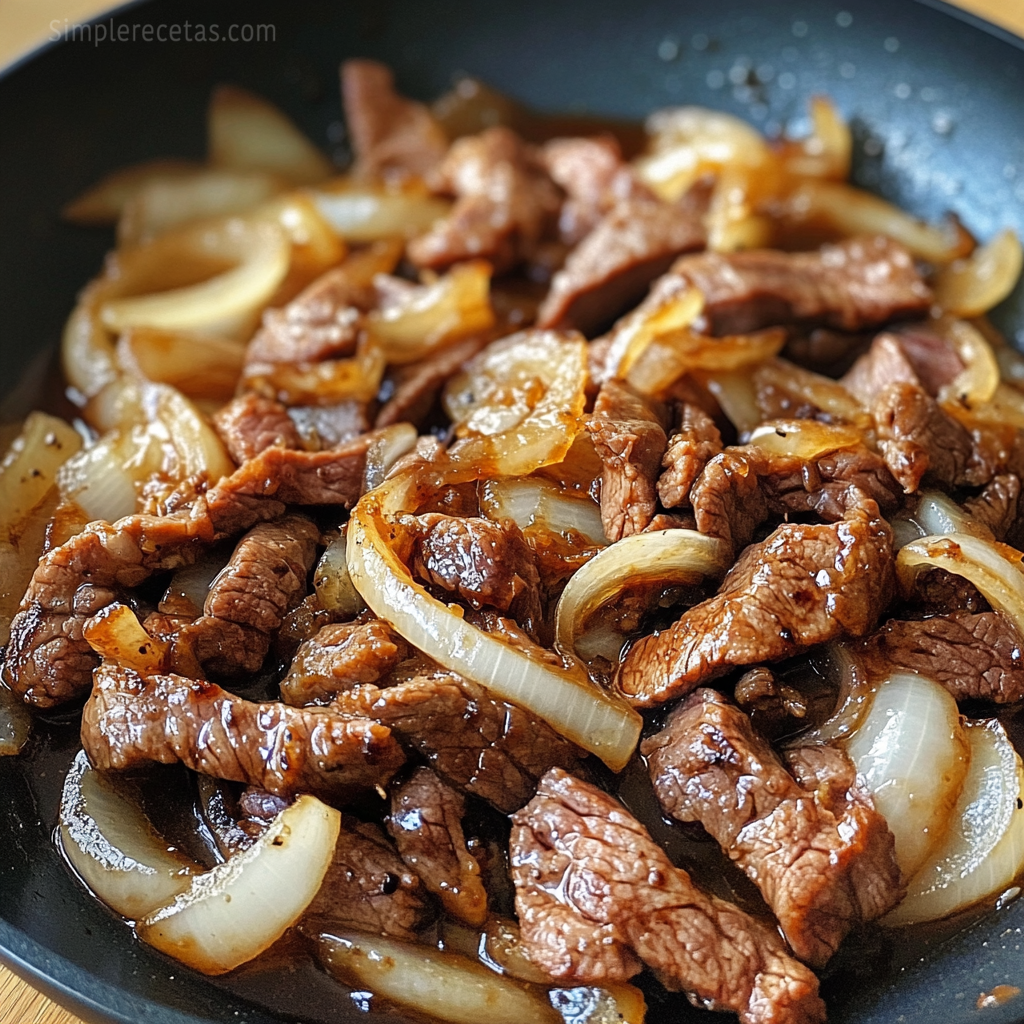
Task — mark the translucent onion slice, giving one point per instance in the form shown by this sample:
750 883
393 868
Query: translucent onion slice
912 754
976 383
113 847
973 285
332 582
829 395
664 557
566 699
238 909
993 568
368 213
736 394
386 448
935 513
15 723
518 405
116 634
535 502
827 151
804 439
104 202
225 303
982 852
854 698
456 305
442 985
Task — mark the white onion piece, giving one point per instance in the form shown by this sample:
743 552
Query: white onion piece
938 513
104 202
668 557
97 481
238 909
386 448
984 563
735 393
826 152
332 582
566 699
443 985
534 502
912 754
827 394
366 213
113 847
973 285
976 383
856 692
804 439
15 722
116 634
983 849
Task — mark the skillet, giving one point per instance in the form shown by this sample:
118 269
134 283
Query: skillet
933 94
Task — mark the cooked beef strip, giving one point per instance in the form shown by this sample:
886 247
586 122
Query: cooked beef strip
302 623
368 888
998 507
339 657
504 203
390 135
853 284
49 662
977 657
479 743
250 424
740 488
883 364
426 825
821 873
695 442
629 436
803 585
768 701
938 592
129 721
594 891
612 268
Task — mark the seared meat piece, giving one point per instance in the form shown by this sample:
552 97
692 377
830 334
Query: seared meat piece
739 489
130 720
803 585
853 284
426 825
820 872
628 433
911 356
976 657
688 452
485 563
339 657
479 743
611 269
367 888
594 891
390 135
770 703
259 804
998 507
937 592
504 203
250 424
920 441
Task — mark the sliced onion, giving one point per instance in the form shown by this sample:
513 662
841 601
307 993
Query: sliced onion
188 586
982 852
333 584
984 563
935 513
15 722
238 909
227 303
104 202
976 383
386 448
736 394
827 394
116 634
431 316
113 847
367 213
533 502
1005 409
566 699
518 405
442 985
911 752
826 152
974 284
855 696
247 133
668 557
804 439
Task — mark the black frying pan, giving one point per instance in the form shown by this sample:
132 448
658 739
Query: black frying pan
935 99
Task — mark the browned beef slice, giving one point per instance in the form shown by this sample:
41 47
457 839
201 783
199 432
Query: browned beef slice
389 134
741 487
426 825
910 356
479 743
367 888
485 563
339 657
973 656
920 441
853 284
504 203
998 507
612 268
803 585
250 424
628 434
130 720
593 891
821 873
688 452
938 592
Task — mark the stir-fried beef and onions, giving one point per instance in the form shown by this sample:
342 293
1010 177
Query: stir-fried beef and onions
408 508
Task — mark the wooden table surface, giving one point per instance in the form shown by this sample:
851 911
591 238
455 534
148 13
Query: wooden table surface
23 25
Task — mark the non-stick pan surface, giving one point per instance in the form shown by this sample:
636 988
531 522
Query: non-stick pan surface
935 99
